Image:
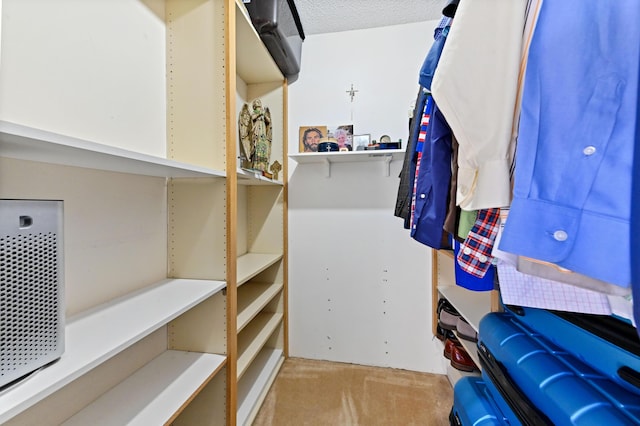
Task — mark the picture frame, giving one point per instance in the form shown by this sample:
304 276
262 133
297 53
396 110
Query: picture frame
360 142
310 136
343 134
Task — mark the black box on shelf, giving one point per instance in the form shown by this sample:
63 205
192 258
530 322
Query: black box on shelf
278 24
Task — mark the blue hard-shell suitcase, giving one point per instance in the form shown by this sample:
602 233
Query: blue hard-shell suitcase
475 403
605 343
554 379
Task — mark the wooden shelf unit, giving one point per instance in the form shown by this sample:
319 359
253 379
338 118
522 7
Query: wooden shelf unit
112 312
159 246
241 234
261 233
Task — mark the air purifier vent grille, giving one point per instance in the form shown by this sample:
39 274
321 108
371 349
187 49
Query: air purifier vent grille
31 318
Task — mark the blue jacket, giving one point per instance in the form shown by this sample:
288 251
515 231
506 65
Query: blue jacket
432 186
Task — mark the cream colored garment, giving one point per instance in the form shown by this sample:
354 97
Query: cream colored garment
475 86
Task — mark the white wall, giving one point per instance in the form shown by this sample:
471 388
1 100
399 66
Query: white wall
382 64
94 70
359 286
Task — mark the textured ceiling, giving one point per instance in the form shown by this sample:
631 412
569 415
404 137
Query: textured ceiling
328 16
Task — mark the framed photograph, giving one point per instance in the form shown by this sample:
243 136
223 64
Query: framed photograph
343 135
361 141
310 136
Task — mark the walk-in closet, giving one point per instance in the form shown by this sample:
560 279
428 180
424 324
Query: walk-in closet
301 212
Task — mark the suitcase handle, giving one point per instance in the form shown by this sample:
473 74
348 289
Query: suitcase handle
629 375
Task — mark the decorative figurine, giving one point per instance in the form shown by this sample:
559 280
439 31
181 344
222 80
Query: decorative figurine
275 169
261 136
244 127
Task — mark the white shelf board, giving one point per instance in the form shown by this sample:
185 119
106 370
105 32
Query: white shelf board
472 305
154 394
94 336
254 336
255 383
446 268
472 350
385 156
246 177
26 143
454 374
251 264
252 297
347 157
253 61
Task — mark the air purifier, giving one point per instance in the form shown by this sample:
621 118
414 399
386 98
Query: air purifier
31 287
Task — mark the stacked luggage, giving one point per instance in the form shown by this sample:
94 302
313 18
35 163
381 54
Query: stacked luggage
552 368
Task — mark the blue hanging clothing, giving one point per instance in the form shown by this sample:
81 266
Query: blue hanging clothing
432 184
572 193
433 56
407 175
635 224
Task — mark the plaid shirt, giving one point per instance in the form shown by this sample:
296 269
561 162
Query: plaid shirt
474 256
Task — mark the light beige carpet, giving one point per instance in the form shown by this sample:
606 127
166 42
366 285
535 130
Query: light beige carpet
308 392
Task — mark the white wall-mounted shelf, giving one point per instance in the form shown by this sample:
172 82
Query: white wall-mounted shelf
152 395
26 143
94 336
386 156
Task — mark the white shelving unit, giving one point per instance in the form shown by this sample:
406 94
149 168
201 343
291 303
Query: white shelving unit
241 236
193 223
328 158
105 330
472 305
261 227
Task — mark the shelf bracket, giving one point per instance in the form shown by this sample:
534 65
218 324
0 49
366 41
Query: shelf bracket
327 168
387 165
